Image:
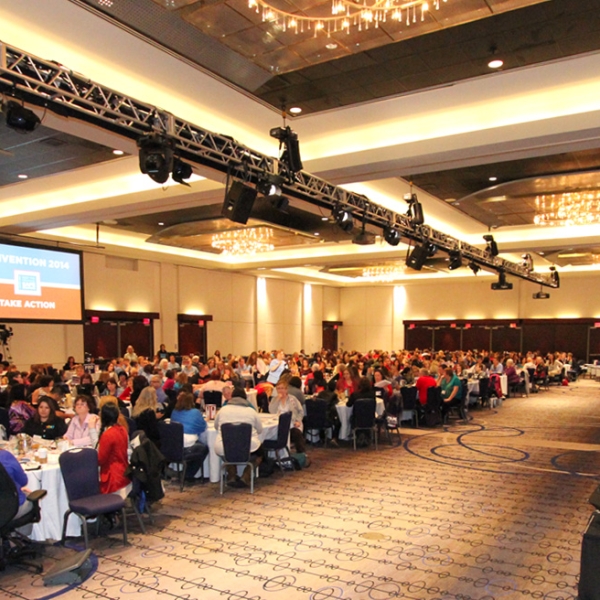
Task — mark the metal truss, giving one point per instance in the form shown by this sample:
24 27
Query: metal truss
56 88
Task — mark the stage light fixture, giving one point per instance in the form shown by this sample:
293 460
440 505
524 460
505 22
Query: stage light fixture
363 238
474 267
501 284
181 171
456 261
554 276
492 246
269 186
156 156
343 218
415 210
288 139
527 261
391 235
19 118
541 295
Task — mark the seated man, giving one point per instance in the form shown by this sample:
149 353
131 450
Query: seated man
236 410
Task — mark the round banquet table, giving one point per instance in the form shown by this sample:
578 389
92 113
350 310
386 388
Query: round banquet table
344 413
53 506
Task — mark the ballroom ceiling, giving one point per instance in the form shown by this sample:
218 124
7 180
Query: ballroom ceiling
321 72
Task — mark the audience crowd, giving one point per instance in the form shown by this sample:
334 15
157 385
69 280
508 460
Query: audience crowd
110 397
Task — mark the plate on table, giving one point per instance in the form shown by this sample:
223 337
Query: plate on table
31 465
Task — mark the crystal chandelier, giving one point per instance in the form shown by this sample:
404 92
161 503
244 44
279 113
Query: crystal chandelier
346 14
238 242
382 274
570 208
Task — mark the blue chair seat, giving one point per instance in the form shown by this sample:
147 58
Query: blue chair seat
94 505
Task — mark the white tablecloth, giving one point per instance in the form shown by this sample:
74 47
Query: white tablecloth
53 506
593 370
344 413
251 396
212 464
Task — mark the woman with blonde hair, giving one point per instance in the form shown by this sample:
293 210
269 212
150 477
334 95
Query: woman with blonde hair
144 413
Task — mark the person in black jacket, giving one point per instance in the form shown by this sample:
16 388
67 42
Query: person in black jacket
144 413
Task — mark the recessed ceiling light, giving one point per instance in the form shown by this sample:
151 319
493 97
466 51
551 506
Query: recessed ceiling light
492 178
22 176
295 110
161 223
495 64
324 218
110 222
118 152
331 46
317 233
541 253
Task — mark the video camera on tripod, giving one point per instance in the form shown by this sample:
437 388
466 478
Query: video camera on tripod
5 334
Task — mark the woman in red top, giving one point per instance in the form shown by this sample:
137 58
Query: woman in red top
347 384
112 453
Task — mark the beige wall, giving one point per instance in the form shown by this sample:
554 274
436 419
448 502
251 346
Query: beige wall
248 313
259 313
374 317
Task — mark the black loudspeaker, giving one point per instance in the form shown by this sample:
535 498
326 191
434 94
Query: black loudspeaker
589 576
416 259
72 569
239 200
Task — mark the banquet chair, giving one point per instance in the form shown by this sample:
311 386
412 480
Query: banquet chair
79 469
171 445
237 438
410 408
390 421
14 547
433 408
132 427
281 443
363 413
213 397
316 418
146 467
462 410
5 421
483 394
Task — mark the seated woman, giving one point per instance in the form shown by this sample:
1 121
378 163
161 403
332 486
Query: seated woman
122 421
44 422
194 431
84 426
451 391
144 413
112 453
283 403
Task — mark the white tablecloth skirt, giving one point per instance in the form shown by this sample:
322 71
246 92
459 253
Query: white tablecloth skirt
53 506
344 414
212 464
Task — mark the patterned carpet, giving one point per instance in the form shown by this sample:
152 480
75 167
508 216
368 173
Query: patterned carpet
486 511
